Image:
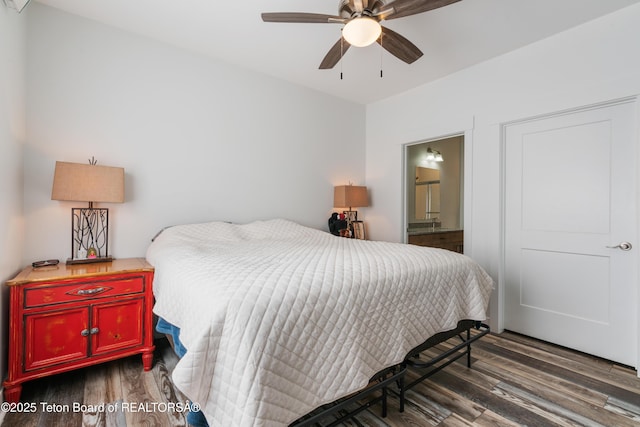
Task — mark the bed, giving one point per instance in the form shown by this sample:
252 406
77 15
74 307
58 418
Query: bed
278 319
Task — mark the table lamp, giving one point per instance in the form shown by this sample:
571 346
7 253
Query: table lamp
350 196
89 226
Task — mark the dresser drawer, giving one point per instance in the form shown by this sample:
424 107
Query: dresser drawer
47 294
451 240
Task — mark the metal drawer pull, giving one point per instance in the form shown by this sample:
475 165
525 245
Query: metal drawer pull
87 332
84 332
94 331
90 291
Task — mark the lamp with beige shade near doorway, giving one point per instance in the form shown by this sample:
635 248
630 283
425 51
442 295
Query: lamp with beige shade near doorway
351 196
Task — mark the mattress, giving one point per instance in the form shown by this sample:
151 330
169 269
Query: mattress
278 319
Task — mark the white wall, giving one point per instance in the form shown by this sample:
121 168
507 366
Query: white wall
202 140
592 63
199 140
12 135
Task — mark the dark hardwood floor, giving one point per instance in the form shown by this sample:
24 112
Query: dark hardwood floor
514 380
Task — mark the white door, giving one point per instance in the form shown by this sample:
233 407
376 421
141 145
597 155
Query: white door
570 209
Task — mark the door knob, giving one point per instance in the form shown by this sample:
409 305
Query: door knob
625 246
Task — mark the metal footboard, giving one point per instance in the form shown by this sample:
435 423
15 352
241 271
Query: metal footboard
396 374
437 363
383 380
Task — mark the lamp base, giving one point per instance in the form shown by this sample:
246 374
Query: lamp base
89 235
89 260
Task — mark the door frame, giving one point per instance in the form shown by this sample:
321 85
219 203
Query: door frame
500 291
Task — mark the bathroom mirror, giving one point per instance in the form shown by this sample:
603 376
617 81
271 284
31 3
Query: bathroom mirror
427 193
434 184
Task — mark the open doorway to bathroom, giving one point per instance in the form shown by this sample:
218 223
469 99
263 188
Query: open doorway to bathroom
434 193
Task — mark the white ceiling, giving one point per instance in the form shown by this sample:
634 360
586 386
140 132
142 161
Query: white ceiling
452 38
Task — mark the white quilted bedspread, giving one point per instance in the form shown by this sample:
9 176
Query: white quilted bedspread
279 319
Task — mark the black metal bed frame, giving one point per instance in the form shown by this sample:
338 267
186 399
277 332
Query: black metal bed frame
380 382
396 374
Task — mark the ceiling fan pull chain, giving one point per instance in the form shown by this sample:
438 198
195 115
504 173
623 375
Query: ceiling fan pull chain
341 52
381 52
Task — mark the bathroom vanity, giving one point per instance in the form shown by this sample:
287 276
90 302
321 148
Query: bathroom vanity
450 239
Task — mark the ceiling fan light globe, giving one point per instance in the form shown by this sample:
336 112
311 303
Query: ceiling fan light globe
361 32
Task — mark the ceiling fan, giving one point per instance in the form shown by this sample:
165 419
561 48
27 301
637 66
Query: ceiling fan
361 19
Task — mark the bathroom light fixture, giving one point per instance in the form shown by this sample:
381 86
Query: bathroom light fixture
431 156
434 156
361 32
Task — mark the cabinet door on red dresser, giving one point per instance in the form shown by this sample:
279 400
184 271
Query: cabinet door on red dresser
117 325
55 337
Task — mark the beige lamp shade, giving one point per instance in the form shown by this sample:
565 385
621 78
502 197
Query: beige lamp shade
88 183
350 196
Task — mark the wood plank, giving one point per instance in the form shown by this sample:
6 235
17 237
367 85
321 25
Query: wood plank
497 403
446 398
454 420
503 369
551 418
625 376
577 378
571 402
414 415
502 373
95 397
522 372
626 409
138 404
491 419
462 371
425 406
566 409
31 394
472 375
580 405
591 366
62 394
113 394
542 348
160 389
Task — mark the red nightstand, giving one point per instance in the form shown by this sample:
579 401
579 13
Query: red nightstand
72 316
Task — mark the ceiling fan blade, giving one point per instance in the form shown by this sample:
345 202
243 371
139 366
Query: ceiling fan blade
403 8
335 54
307 18
399 46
